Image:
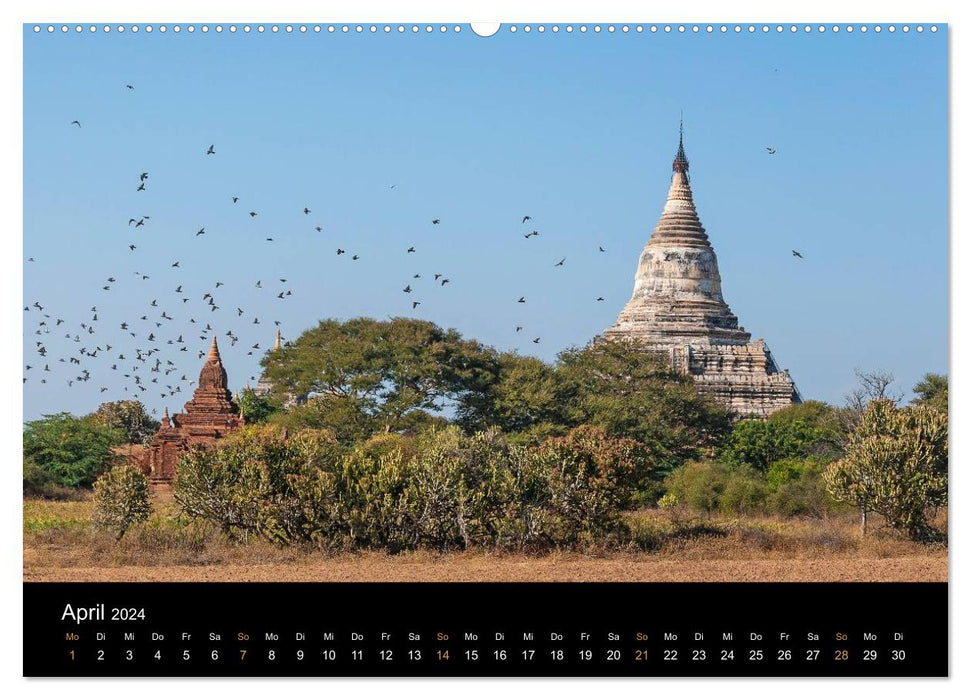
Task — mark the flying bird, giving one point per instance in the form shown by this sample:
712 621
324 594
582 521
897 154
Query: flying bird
201 231
796 254
436 221
522 300
306 211
77 122
211 150
560 264
770 150
527 218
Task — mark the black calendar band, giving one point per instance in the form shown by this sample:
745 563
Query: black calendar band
501 629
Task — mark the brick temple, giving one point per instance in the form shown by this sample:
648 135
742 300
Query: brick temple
677 310
208 416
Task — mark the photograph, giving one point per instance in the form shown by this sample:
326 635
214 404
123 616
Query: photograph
531 304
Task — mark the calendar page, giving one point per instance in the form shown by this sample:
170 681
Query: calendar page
436 349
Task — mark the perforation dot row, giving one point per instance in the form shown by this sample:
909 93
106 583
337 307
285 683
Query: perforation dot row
513 28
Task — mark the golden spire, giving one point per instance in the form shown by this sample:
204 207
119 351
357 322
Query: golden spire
279 343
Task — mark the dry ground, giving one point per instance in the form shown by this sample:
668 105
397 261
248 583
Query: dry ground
60 545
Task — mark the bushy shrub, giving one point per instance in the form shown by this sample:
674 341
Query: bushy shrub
895 465
386 443
260 480
588 476
121 500
697 485
743 492
455 492
796 488
39 483
708 486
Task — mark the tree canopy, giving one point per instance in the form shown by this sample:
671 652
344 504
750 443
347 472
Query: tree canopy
932 391
72 451
379 372
895 465
130 417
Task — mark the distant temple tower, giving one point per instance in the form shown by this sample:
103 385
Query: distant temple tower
677 309
265 387
208 416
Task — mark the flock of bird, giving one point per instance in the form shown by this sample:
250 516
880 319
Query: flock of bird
145 354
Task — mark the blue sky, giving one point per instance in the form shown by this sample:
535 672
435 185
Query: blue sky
576 131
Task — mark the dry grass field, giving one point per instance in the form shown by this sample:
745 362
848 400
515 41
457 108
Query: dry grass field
61 545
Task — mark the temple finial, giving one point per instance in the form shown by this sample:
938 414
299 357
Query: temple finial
279 342
214 350
680 164
165 418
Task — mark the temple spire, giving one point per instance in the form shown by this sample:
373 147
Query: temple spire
680 164
214 350
165 418
279 342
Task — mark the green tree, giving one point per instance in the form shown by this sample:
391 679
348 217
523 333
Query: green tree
255 408
121 500
895 465
825 423
521 399
72 451
630 392
382 370
130 417
932 391
339 414
758 443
